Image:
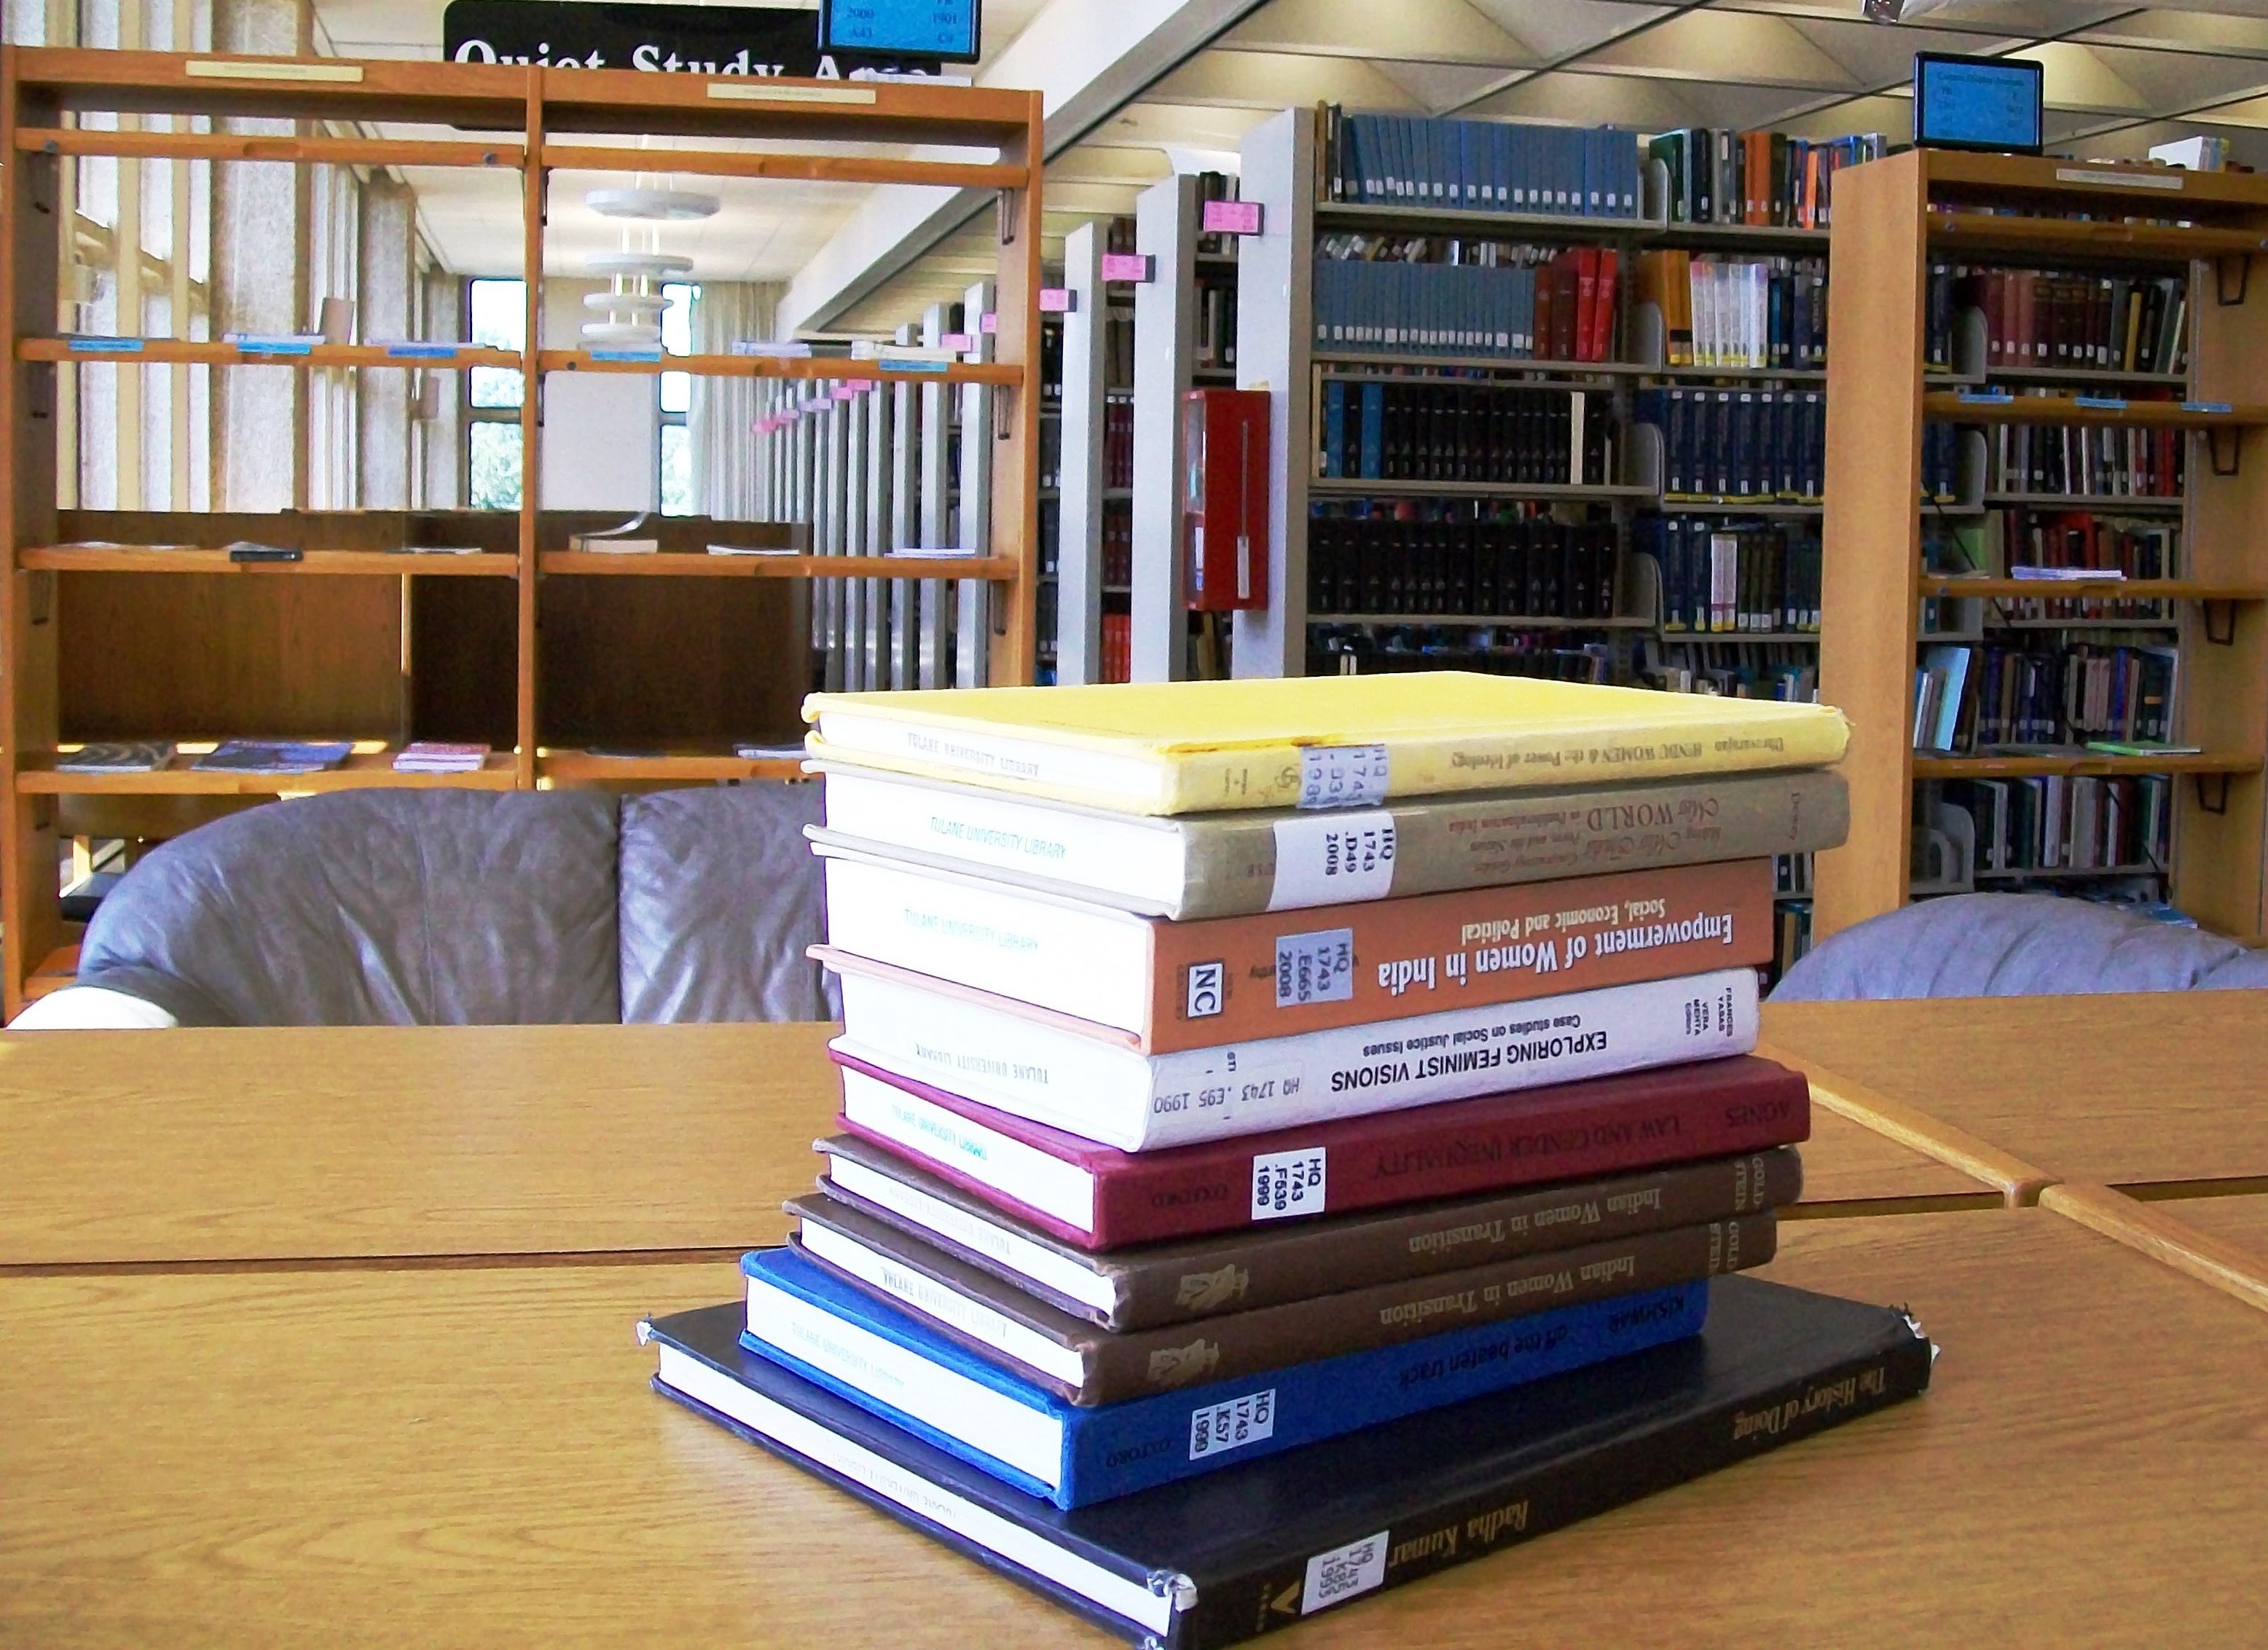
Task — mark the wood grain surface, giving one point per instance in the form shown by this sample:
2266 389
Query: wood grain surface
471 1457
287 1143
1849 1169
2123 1091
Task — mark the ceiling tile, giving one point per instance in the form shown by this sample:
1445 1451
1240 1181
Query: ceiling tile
1415 31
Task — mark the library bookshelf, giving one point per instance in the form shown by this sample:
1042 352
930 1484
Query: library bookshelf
576 669
2200 233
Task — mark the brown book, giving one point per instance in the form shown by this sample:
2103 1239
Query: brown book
1181 985
1089 1366
1184 1280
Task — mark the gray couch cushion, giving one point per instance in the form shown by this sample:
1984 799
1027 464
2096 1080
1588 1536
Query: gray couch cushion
720 894
373 908
2010 945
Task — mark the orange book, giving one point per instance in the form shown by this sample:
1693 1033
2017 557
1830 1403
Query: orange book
1170 986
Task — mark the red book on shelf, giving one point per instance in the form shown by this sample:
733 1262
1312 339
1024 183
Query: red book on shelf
1601 344
1586 263
1097 1197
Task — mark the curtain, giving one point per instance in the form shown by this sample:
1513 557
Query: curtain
720 418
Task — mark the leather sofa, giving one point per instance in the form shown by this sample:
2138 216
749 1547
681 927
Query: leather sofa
440 907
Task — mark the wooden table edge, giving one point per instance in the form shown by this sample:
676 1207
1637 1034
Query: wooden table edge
2018 1183
2148 1230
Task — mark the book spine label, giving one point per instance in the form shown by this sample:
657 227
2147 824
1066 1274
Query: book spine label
1273 976
1442 846
1090 1088
1128 1447
1551 1495
1264 1268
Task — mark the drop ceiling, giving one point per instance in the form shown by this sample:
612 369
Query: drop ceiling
2118 78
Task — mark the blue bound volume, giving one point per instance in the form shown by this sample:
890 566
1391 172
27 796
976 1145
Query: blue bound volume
1118 1448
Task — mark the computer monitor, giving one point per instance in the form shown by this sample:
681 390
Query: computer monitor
1986 103
944 30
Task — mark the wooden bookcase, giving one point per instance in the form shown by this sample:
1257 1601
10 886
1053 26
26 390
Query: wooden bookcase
579 668
1894 218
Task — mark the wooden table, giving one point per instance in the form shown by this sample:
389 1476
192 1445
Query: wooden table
140 1146
468 1454
2165 1092
292 1144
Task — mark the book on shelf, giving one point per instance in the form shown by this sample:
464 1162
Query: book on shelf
2104 461
1478 165
1699 665
1734 312
1094 1081
1180 985
1757 447
1097 1197
1762 178
1721 575
1208 1563
2058 695
1356 647
2141 747
1434 295
1192 747
2052 823
776 349
425 756
1458 559
903 1370
1382 430
261 755
1941 700
1236 864
633 537
757 549
140 756
1090 1367
2036 318
1294 1255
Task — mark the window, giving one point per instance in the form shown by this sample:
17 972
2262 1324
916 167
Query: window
496 316
677 401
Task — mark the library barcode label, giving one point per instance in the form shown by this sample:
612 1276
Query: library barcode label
1317 967
1342 776
1332 859
1232 1424
1287 1183
1344 1572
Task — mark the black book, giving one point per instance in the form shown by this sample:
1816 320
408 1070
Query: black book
1229 1555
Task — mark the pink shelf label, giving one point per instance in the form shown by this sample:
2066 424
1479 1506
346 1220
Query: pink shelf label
991 323
1054 300
1232 217
1125 266
846 391
959 340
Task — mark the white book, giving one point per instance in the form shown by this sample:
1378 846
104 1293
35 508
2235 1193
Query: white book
1091 1081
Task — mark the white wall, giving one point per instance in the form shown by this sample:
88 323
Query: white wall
601 431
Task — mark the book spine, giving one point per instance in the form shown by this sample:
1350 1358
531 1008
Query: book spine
1128 1447
1583 1132
1041 1069
1137 1364
1384 960
1236 868
1353 1563
1196 1282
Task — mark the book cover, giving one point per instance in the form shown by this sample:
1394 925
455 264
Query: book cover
1219 1559
1097 1197
1189 1279
890 1363
118 757
1324 742
1193 984
1093 1081
256 756
1089 1367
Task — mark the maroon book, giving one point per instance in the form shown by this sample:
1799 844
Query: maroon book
1097 1197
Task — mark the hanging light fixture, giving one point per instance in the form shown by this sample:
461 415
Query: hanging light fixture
630 313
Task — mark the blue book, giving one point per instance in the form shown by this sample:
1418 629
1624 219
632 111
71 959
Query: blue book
893 1366
1374 430
1335 427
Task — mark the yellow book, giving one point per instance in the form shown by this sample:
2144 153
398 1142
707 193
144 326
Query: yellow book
1322 741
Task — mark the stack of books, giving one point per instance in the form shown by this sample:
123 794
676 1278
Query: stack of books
1290 1130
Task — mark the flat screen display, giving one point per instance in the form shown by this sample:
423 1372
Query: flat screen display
1989 103
946 30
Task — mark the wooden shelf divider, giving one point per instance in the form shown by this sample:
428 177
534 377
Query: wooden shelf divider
549 667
